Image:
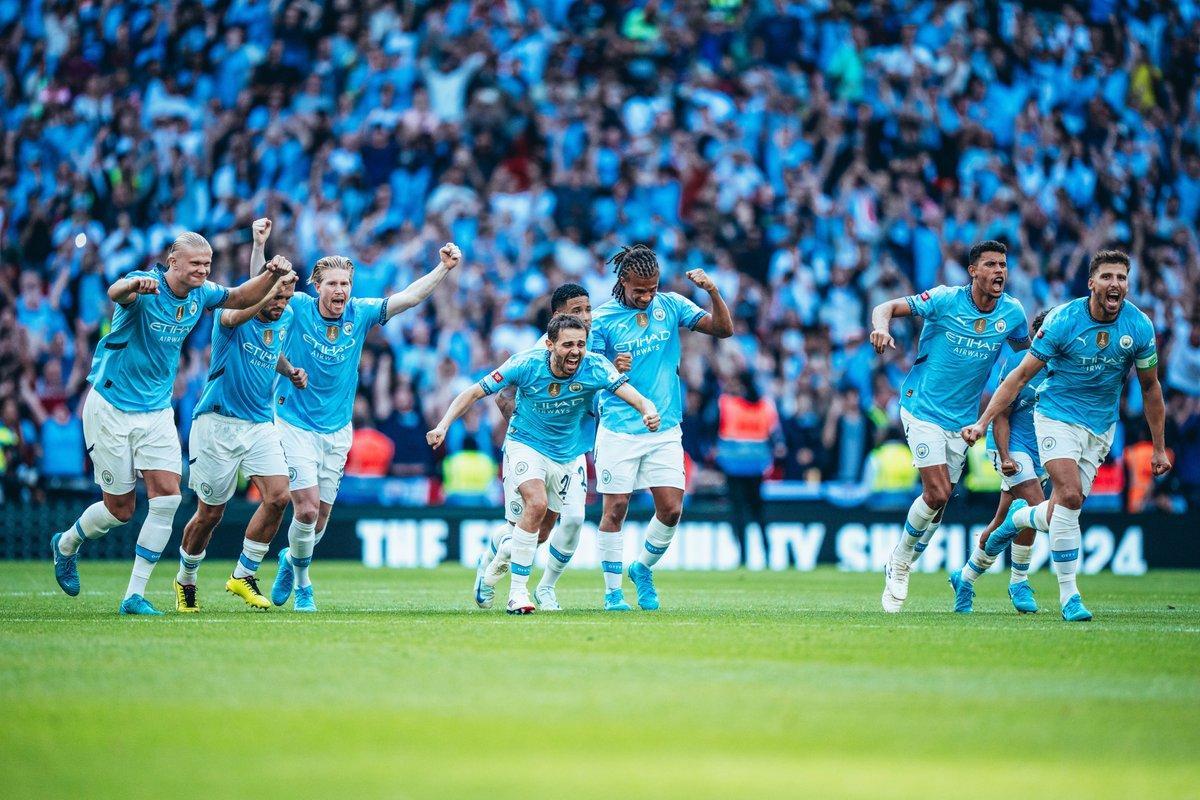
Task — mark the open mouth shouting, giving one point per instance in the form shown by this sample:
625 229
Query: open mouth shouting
1112 299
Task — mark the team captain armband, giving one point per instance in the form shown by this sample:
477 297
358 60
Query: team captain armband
1148 361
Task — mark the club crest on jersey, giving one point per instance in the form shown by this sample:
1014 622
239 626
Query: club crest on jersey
980 325
659 314
179 314
349 326
192 308
643 319
1102 339
1001 326
331 332
1126 342
555 389
575 387
268 337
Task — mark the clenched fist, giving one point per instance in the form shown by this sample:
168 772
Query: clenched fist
435 437
450 254
278 266
261 228
701 279
623 362
143 285
299 378
881 340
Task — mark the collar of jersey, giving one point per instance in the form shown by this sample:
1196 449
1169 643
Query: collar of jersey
971 300
1087 306
162 278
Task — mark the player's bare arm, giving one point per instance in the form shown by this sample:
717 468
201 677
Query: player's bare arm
1001 433
126 290
466 398
624 361
646 408
1006 392
881 322
261 231
297 376
260 286
1156 414
420 289
231 317
506 401
719 323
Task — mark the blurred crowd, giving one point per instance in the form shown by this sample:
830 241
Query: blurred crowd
815 157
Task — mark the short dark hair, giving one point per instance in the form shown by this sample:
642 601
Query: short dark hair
986 246
1037 321
565 294
561 323
1103 257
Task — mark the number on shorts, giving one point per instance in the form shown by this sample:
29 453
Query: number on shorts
566 482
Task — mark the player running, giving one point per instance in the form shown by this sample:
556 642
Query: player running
1088 346
233 431
568 299
644 323
128 423
1012 446
964 331
326 341
556 385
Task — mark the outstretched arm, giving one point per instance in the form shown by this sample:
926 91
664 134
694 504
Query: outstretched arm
261 230
1156 414
126 290
632 396
420 289
720 322
1006 392
254 290
506 401
466 398
231 317
881 321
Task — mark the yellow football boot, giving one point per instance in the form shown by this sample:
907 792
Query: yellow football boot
247 589
185 598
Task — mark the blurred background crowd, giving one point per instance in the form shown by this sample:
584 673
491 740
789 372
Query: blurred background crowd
816 158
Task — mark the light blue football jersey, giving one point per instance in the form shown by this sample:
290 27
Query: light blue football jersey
241 375
652 338
135 363
959 345
1021 437
329 350
1087 361
550 410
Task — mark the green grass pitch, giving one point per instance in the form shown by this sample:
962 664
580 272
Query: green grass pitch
745 686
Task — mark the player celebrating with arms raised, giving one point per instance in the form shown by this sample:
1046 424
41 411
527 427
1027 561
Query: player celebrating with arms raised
964 331
555 388
233 431
128 424
326 341
644 323
1089 345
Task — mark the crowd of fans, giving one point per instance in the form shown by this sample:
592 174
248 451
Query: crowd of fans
816 158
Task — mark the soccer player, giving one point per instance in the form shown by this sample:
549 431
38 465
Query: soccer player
1088 346
1012 446
556 385
326 341
233 431
964 331
568 299
128 424
644 323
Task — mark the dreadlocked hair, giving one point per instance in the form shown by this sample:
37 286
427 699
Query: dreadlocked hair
638 260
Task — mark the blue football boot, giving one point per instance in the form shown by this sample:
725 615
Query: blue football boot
66 568
964 593
304 599
1005 532
137 605
615 601
1074 611
643 581
1022 597
281 589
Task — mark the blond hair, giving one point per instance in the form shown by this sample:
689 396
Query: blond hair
328 263
188 240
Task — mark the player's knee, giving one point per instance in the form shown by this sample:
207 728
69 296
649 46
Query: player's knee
121 507
536 508
936 495
306 515
669 515
210 516
275 501
615 511
1071 498
571 524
